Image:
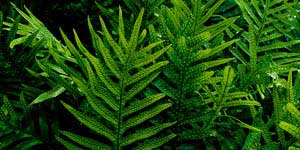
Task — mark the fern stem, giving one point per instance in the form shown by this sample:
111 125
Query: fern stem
122 91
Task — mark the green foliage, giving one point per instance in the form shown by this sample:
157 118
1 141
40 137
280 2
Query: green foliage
263 42
195 47
13 135
158 75
291 123
112 86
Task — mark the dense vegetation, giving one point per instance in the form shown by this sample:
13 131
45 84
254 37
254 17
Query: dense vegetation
150 74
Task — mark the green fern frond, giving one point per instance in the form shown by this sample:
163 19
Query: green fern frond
292 129
210 12
113 86
150 58
98 90
84 141
12 135
96 104
290 92
90 122
133 41
145 72
34 26
136 120
141 85
195 47
148 132
203 54
278 113
293 110
227 79
155 143
8 109
48 94
241 103
138 105
67 144
121 30
111 41
277 45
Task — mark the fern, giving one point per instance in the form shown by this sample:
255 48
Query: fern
112 86
205 76
12 134
194 52
291 128
34 34
291 119
265 44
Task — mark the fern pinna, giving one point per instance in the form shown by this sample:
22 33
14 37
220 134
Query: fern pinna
194 51
112 81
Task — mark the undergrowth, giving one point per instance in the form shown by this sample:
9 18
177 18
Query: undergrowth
196 74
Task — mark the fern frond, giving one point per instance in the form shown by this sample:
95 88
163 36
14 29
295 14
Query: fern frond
241 103
85 142
227 79
252 141
195 45
100 91
72 48
144 61
155 143
207 65
138 105
97 105
8 109
136 120
145 72
292 129
135 32
293 110
166 88
90 122
203 54
34 26
145 133
67 144
102 74
121 30
113 86
278 113
210 12
277 45
12 134
290 92
48 94
138 87
111 41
